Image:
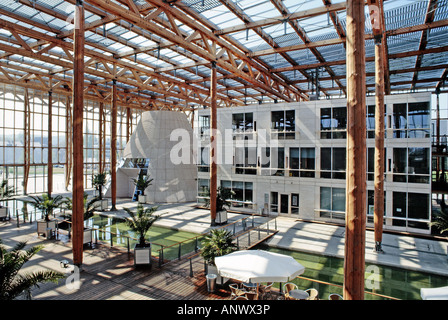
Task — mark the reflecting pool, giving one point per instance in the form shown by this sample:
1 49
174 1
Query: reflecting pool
388 281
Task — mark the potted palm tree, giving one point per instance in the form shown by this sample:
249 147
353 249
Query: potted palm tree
13 284
89 210
222 201
141 184
140 222
99 181
216 243
46 204
6 192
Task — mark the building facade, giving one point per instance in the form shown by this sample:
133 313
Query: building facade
290 159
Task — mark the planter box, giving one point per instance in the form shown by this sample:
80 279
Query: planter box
43 225
221 217
102 205
211 269
88 236
141 199
142 255
4 211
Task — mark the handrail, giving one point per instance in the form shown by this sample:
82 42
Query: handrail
340 286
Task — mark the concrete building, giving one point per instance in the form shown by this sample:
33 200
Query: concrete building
289 159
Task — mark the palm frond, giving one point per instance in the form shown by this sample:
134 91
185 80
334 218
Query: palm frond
13 284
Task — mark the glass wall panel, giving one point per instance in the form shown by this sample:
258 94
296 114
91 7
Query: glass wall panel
400 164
418 120
307 162
399 208
399 120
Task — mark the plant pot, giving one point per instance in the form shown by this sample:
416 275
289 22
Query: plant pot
44 226
102 205
87 236
141 198
211 269
142 255
4 213
221 217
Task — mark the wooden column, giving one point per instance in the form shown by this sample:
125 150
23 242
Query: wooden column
50 144
354 262
378 217
113 146
78 106
128 123
68 142
27 141
213 145
101 133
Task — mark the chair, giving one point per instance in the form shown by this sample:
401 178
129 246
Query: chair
335 296
288 287
252 295
235 291
265 290
313 294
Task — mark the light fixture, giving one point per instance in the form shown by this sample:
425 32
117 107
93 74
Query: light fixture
64 264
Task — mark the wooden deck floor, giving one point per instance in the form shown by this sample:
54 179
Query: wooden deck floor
109 273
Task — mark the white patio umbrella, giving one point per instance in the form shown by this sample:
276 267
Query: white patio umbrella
440 293
255 266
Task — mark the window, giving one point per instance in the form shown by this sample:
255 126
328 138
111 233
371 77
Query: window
411 210
273 161
370 121
411 120
204 164
242 122
274 201
371 205
301 162
332 163
283 124
418 120
411 165
246 160
204 126
333 123
400 164
203 190
332 202
243 193
294 204
418 161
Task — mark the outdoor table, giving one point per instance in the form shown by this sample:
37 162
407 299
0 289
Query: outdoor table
298 294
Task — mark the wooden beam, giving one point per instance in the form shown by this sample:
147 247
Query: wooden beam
280 19
429 18
194 48
78 162
213 146
354 262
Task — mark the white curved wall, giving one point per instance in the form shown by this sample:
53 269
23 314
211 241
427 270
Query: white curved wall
173 181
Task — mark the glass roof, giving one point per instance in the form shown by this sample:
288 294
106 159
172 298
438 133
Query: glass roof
244 34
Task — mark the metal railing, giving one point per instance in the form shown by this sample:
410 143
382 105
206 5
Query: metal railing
242 230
